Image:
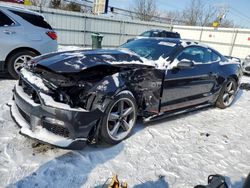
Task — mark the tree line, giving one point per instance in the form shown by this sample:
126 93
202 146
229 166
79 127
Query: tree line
196 13
57 4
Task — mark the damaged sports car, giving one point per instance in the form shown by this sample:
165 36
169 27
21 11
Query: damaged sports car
69 99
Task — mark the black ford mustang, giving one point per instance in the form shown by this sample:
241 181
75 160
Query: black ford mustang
72 98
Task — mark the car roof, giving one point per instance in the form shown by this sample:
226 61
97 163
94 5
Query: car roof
182 42
20 9
161 30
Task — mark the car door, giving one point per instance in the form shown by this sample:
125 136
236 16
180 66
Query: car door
9 32
189 86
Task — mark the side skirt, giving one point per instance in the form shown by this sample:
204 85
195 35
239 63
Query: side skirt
174 113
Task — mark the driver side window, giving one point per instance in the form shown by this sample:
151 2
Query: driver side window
5 20
195 54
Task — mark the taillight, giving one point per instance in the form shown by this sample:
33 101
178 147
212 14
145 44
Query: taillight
52 35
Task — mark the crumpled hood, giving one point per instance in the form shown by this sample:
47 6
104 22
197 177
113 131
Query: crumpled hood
76 61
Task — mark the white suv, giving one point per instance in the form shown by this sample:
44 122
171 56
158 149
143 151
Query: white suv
23 35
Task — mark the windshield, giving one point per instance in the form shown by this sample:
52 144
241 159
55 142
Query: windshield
150 49
146 34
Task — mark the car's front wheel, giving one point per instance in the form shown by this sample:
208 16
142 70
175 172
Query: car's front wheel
227 94
120 118
17 60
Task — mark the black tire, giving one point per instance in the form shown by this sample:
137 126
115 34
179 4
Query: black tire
13 58
106 123
220 103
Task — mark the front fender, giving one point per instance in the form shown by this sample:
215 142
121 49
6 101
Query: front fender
105 90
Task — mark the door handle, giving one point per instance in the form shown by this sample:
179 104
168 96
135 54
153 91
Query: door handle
7 32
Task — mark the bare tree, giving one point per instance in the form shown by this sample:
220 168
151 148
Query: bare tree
39 2
174 17
72 7
227 23
145 10
198 12
55 4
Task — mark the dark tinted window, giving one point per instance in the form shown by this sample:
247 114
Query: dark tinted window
33 19
150 49
5 20
166 34
163 34
195 54
172 35
156 34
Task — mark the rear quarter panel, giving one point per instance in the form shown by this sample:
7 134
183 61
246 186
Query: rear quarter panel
229 70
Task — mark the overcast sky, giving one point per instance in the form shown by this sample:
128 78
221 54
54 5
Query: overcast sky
238 9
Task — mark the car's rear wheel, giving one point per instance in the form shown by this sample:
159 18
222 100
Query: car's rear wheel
17 60
227 94
120 118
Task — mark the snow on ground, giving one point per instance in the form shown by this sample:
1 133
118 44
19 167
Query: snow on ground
176 152
69 48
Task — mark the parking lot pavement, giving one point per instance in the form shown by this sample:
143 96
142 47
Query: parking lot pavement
180 151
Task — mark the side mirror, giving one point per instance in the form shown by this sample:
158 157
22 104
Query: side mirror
185 64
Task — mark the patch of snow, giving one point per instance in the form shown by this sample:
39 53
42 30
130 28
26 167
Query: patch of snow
74 54
69 48
116 79
188 43
164 43
230 61
75 66
145 62
162 63
33 79
103 86
142 37
49 101
108 57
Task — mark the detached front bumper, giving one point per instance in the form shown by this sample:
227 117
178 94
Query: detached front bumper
56 126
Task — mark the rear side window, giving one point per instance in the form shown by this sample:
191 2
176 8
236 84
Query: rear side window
156 34
196 54
172 35
5 20
35 20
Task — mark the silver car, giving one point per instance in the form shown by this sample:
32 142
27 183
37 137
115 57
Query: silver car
23 35
246 65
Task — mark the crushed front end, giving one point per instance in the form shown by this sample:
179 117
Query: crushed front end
45 115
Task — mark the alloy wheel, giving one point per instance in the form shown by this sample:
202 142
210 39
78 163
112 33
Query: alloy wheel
121 119
20 61
229 93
